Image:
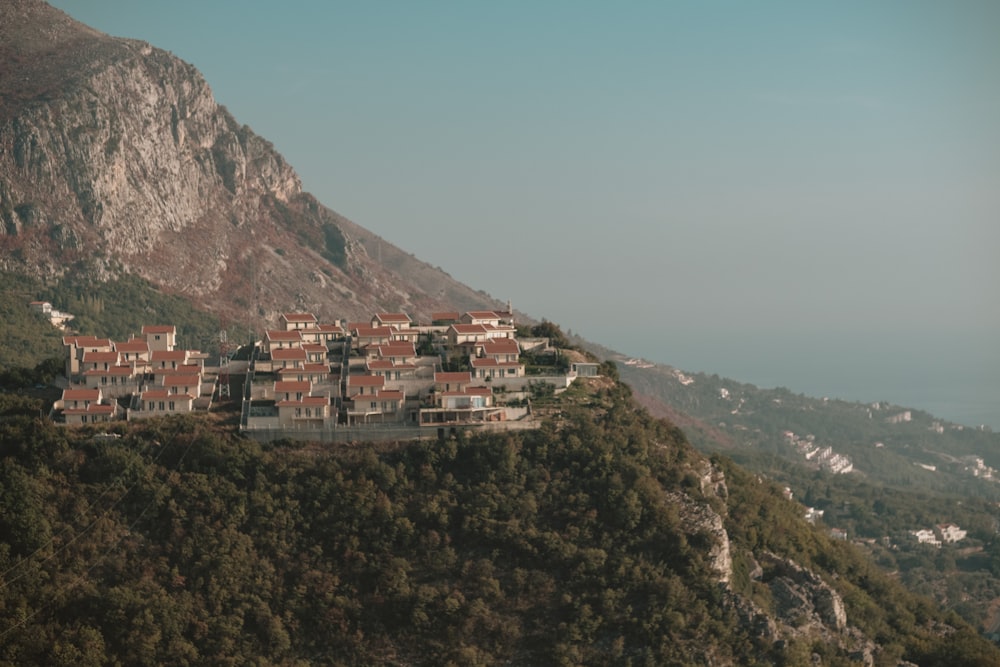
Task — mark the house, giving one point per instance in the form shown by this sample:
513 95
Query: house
315 353
397 352
471 405
488 367
304 412
80 399
77 346
466 334
293 321
154 402
499 349
442 318
113 381
161 337
381 406
470 397
364 385
279 339
291 390
43 307
288 357
322 334
452 381
177 383
134 351
389 369
173 359
314 373
160 373
364 336
397 321
950 533
85 406
585 369
925 536
480 317
98 360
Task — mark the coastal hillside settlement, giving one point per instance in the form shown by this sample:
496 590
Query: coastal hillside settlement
384 378
143 376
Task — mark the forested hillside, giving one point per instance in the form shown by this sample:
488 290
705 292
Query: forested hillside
175 542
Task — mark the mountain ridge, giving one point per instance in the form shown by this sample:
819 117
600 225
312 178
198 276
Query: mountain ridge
112 149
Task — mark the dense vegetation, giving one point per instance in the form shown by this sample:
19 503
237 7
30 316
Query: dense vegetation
115 309
177 543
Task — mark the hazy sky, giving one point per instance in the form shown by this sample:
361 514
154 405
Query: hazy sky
707 172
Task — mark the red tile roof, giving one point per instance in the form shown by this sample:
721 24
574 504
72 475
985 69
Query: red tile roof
460 376
99 356
365 381
299 317
391 395
181 380
501 346
168 355
81 394
158 329
387 318
397 349
285 386
468 328
86 341
368 331
282 335
135 345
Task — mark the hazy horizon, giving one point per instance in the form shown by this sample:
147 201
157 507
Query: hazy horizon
755 188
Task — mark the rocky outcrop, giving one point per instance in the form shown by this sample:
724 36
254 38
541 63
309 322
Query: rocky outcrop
801 596
115 158
705 527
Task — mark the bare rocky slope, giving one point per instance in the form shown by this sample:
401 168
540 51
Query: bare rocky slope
116 159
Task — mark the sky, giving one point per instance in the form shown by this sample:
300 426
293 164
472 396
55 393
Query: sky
787 193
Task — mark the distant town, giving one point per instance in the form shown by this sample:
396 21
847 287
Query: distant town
383 378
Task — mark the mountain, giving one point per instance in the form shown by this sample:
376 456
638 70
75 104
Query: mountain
600 538
116 160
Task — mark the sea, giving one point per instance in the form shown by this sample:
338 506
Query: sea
953 377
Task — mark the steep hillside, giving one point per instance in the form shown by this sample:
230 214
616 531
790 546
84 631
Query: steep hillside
115 159
601 538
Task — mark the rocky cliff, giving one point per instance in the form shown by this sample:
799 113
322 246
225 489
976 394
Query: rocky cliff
115 158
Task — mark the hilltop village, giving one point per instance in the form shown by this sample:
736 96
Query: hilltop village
385 378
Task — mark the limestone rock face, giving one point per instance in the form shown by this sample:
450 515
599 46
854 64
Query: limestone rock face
801 596
116 159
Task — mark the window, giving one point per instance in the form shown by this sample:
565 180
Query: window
171 405
309 412
161 405
374 405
